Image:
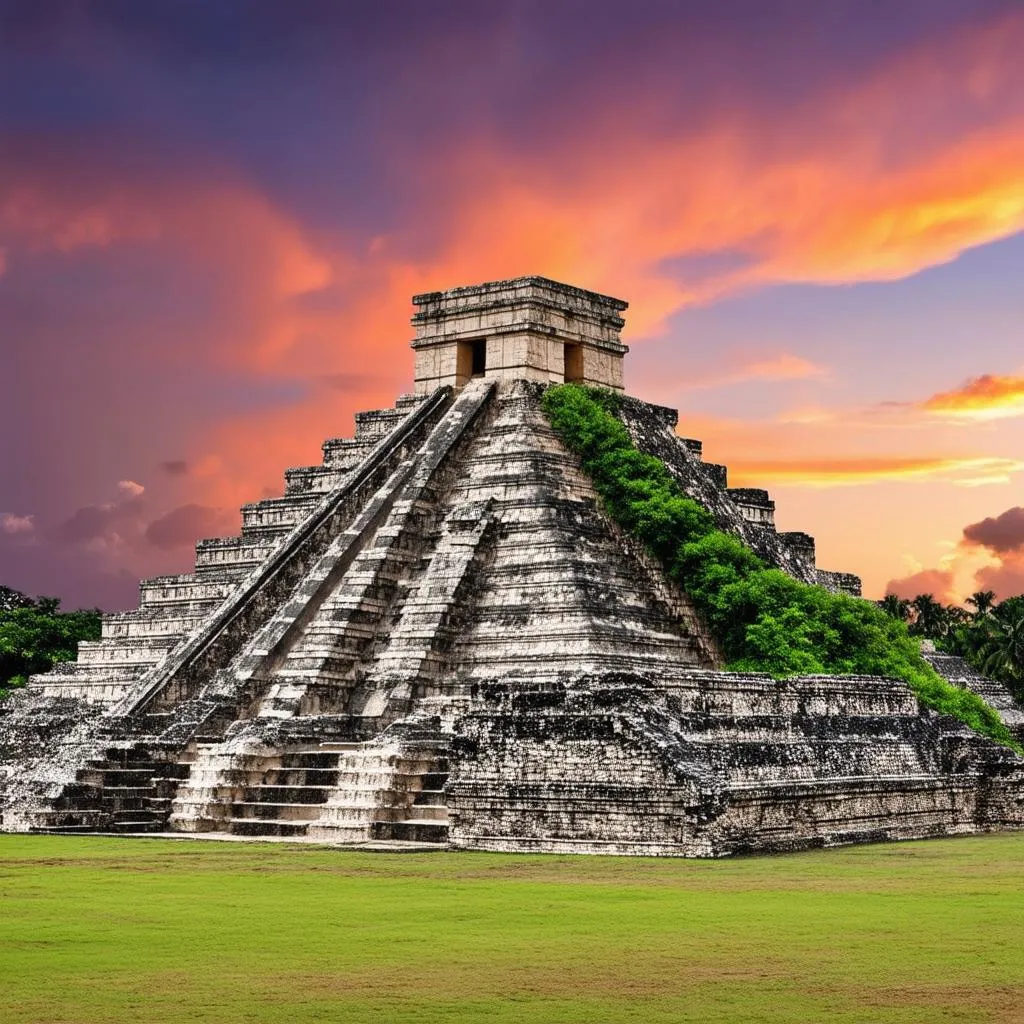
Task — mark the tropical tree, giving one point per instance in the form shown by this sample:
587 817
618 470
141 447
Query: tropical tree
956 616
897 607
983 601
930 617
11 599
1001 653
37 634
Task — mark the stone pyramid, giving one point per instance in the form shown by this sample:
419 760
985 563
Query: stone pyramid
437 636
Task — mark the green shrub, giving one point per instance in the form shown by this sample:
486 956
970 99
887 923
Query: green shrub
763 620
36 634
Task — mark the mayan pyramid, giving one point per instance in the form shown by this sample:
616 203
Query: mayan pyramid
438 636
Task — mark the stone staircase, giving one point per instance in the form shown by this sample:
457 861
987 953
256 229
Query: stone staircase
330 792
387 794
286 799
957 671
129 789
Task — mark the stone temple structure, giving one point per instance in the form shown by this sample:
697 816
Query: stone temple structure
437 636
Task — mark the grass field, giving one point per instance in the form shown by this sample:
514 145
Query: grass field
98 929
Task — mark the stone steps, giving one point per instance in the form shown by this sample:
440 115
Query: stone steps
242 810
274 518
299 777
153 623
256 827
312 480
127 790
273 794
118 653
344 453
338 792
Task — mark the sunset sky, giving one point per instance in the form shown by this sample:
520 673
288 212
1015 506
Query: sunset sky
213 216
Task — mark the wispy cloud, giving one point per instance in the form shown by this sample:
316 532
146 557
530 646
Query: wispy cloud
845 472
13 524
988 397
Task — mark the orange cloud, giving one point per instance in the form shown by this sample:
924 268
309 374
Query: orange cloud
840 472
258 255
988 397
1006 578
937 582
824 203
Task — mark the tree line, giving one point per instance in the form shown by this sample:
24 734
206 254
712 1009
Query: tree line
988 634
35 634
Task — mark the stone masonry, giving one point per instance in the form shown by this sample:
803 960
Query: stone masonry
437 636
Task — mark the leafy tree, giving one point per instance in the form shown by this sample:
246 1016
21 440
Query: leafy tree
1001 651
35 635
955 616
11 599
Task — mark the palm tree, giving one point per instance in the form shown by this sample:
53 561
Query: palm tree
1002 651
897 607
956 616
929 617
983 602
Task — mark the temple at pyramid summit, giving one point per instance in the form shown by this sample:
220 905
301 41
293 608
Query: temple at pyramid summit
438 636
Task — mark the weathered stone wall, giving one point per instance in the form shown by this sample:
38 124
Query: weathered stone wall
959 673
717 764
528 325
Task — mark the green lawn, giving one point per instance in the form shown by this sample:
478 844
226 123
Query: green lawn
97 929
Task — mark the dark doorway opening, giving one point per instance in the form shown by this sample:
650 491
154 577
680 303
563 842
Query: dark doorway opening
573 363
479 361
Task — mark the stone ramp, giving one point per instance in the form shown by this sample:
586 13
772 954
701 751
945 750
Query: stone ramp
155 708
250 607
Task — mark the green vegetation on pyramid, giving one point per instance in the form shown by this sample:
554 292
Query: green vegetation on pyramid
762 619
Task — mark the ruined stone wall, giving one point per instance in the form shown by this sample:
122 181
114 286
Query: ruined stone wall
717 764
956 670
